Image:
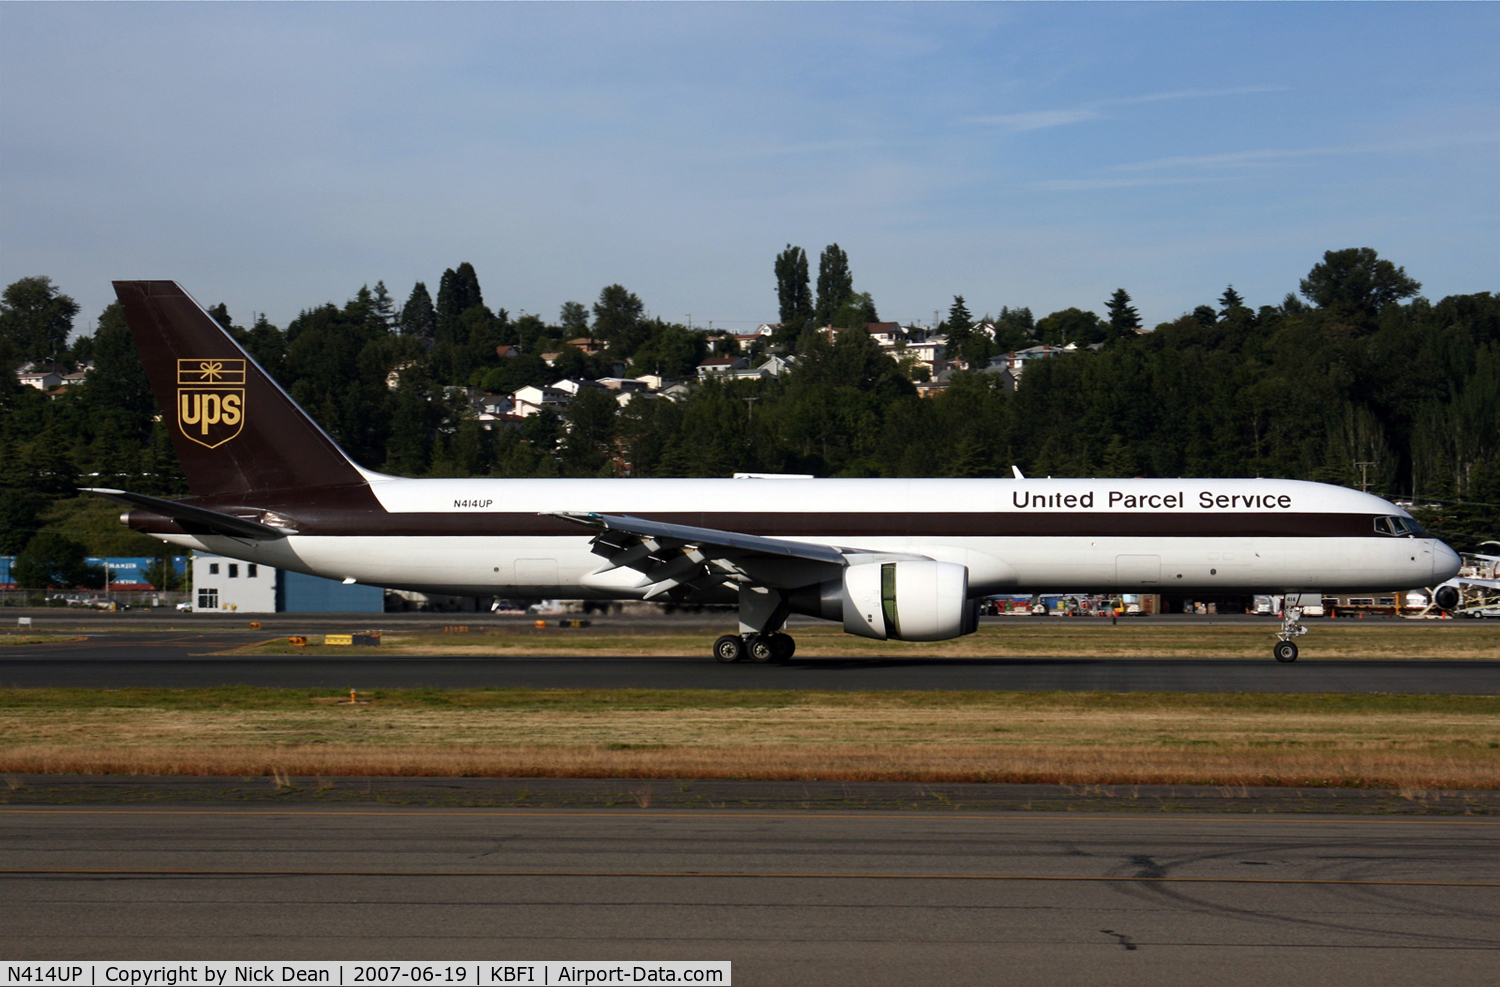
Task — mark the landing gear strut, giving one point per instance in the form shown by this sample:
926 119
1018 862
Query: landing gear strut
1285 649
759 648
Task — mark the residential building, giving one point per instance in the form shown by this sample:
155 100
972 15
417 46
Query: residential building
721 365
531 399
42 378
622 384
490 421
655 382
571 386
888 334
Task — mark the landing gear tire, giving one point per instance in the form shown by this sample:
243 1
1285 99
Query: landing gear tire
729 648
1285 651
785 647
761 648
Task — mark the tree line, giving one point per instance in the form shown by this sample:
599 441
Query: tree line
1354 378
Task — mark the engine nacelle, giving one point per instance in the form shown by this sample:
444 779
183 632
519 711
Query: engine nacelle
911 601
1447 597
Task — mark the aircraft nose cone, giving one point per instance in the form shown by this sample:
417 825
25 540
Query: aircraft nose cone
1445 563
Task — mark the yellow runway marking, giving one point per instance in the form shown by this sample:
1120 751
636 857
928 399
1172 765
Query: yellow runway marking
736 875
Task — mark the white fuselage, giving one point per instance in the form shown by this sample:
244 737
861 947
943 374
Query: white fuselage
1031 535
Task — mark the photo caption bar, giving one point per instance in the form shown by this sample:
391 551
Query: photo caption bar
469 973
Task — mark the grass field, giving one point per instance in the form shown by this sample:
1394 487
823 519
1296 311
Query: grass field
1024 637
1401 742
12 638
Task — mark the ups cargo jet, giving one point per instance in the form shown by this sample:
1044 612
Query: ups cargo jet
890 558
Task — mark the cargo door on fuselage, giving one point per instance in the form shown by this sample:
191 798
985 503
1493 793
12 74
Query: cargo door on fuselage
1140 571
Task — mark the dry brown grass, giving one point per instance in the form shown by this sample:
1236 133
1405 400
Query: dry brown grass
1074 739
1013 638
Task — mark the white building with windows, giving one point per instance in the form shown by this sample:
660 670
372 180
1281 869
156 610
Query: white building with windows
221 584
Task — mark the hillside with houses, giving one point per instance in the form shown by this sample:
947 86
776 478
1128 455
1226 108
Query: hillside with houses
1354 378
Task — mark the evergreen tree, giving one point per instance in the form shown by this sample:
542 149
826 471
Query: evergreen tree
220 314
1230 300
383 307
418 316
117 387
1124 320
458 292
35 319
793 294
835 283
959 325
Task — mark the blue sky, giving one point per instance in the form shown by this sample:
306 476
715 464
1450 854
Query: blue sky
277 156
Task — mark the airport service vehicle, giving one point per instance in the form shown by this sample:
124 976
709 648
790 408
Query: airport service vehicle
1474 591
903 559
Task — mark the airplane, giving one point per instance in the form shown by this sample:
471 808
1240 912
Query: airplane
903 559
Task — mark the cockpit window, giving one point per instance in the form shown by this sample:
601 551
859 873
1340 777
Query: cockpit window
1398 526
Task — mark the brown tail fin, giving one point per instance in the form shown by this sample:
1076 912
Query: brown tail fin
235 430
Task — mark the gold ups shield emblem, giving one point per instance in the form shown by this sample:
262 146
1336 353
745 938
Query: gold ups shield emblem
210 400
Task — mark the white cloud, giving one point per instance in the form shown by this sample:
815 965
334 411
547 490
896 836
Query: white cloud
1043 119
1036 120
1087 184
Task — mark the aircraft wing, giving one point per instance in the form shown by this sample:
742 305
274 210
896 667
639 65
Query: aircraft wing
679 555
194 519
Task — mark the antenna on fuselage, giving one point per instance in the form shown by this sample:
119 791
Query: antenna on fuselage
1017 471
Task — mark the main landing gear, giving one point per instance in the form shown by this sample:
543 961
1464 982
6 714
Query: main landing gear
759 648
1285 649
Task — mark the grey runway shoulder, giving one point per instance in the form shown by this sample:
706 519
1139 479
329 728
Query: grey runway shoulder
835 898
114 659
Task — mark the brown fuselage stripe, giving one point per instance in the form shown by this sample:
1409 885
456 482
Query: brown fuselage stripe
327 520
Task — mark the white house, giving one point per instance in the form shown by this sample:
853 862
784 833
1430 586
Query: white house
531 399
655 382
622 384
571 386
721 365
888 334
42 378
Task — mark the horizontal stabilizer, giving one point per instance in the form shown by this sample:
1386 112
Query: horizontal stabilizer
215 522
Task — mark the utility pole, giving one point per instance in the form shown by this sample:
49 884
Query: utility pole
1364 476
750 409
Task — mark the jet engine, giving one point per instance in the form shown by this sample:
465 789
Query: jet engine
912 600
1447 597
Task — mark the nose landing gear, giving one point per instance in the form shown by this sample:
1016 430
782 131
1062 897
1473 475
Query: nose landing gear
1285 649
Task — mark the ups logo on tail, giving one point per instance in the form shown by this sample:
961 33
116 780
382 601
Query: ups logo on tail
210 400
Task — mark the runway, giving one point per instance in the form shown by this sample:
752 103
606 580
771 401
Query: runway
186 659
790 898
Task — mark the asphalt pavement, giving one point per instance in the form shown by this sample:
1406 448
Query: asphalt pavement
788 897
192 658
